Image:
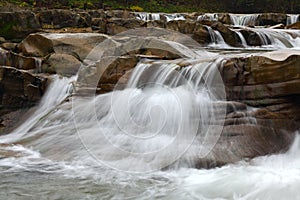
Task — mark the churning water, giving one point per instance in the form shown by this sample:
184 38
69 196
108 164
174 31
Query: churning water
140 142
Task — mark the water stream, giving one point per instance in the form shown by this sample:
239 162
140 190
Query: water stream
142 142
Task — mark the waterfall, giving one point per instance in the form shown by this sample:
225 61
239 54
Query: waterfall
3 57
148 16
244 20
171 17
208 16
292 18
165 114
242 38
56 93
216 37
277 38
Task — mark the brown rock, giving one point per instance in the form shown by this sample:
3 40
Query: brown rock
294 26
36 45
63 64
229 36
20 88
17 25
118 25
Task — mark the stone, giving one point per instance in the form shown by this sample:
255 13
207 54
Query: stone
9 46
271 19
294 26
17 25
20 88
62 64
229 36
118 25
77 44
201 34
9 58
251 37
36 45
55 19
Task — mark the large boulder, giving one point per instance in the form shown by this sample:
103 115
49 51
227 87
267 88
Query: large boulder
36 45
76 44
17 25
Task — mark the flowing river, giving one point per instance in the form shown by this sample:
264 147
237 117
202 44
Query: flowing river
139 142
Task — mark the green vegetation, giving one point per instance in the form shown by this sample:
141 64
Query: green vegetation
236 6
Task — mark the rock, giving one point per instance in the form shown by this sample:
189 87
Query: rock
54 19
97 13
17 25
294 26
63 64
106 73
271 19
124 14
201 34
229 36
20 88
263 81
99 24
2 40
278 26
77 44
9 58
155 23
117 25
9 46
186 26
251 37
224 18
36 45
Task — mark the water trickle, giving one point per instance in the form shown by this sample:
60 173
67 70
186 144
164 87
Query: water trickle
38 65
3 57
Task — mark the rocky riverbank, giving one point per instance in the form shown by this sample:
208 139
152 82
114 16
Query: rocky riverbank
37 44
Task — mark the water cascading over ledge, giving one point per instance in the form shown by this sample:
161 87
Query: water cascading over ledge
165 102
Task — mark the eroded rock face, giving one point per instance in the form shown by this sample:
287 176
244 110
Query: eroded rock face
271 19
17 25
20 88
9 58
54 19
118 25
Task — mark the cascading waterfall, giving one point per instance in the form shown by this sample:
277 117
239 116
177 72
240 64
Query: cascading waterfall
244 20
171 17
152 123
148 16
216 37
208 16
292 18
